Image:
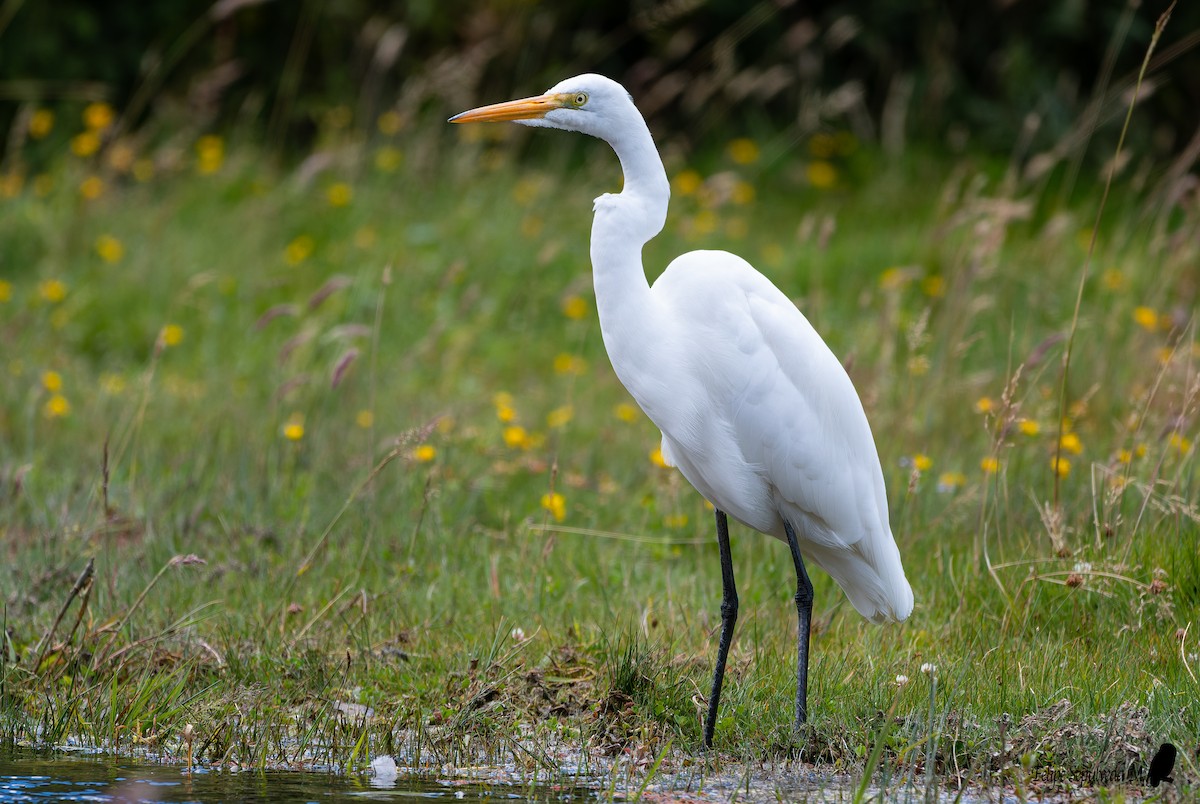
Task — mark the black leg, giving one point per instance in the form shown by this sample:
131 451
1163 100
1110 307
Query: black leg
729 610
804 602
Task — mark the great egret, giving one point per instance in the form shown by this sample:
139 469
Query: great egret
754 408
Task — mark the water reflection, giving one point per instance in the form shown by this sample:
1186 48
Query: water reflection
37 776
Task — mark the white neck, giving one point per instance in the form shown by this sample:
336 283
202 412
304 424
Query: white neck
624 223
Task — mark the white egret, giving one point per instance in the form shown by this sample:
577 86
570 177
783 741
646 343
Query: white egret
754 408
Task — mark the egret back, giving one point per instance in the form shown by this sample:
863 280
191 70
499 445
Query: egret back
763 420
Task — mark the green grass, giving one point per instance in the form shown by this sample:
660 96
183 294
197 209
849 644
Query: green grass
350 566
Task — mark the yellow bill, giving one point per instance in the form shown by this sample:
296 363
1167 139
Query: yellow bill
523 109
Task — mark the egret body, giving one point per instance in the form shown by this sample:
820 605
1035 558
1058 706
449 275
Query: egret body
754 408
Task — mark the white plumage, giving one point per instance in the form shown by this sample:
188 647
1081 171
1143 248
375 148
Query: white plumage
784 435
755 410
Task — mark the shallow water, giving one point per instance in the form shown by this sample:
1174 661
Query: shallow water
34 776
28 775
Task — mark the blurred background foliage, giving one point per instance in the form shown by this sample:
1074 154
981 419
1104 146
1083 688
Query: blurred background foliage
1003 76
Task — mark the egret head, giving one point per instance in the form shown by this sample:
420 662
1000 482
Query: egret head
589 103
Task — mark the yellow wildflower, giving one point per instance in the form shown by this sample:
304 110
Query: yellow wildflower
743 151
895 277
1124 456
210 154
112 384
171 335
656 458
98 116
985 404
948 481
109 248
990 465
52 381
575 307
569 364
821 174
11 185
1146 318
1061 466
515 436
91 188
388 159
424 453
5 291
556 504
52 290
1113 279
1071 443
293 429
626 412
1179 442
675 521
41 123
364 419
686 182
560 416
85 144
56 407
1028 427
299 250
934 286
922 462
339 194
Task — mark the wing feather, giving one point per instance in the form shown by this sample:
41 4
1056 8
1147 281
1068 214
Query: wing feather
781 432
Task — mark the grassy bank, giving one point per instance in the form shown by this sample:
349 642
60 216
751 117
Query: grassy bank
344 435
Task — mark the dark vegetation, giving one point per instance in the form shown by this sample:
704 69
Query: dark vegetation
991 76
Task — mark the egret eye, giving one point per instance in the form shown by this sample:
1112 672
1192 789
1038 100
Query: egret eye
580 98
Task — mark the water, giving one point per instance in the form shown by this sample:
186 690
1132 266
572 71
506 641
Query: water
42 776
